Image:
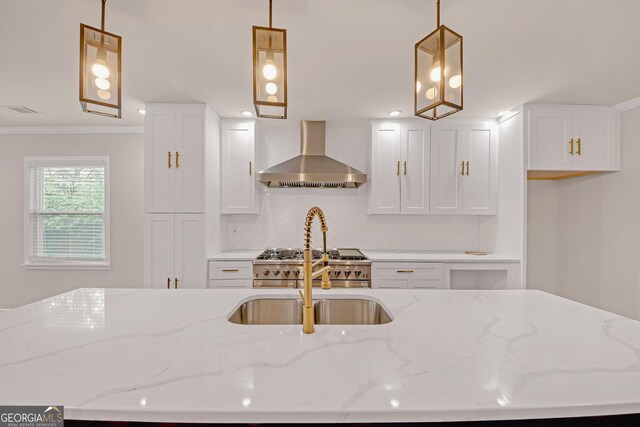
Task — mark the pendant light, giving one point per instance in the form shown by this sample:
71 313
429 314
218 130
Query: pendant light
100 70
270 70
438 73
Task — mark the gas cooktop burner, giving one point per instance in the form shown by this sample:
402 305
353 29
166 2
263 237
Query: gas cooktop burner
277 254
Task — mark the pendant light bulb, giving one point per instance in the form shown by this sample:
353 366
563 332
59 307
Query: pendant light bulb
431 93
104 94
272 98
435 74
271 88
455 81
269 71
418 86
102 83
99 69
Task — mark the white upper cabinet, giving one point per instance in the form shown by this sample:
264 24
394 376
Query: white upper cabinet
174 158
572 138
464 169
447 168
399 175
239 194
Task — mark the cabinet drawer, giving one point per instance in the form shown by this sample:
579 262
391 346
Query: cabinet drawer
230 270
406 271
230 283
389 284
425 284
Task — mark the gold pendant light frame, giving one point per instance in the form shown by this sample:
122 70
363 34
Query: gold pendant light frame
270 94
100 46
438 73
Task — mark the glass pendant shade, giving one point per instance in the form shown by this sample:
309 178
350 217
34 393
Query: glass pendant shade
270 72
438 74
100 71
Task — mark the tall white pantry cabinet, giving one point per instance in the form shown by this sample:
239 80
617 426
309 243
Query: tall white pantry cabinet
175 242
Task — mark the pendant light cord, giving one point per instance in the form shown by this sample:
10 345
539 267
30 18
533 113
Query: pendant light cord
270 12
438 14
104 3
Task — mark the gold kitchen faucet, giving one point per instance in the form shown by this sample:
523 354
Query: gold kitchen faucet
309 265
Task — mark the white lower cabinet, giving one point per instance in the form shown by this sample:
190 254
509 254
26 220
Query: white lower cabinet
174 252
404 275
230 274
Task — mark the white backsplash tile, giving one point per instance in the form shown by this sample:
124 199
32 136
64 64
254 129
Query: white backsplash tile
282 220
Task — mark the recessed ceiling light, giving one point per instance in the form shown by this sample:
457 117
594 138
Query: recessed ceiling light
246 113
142 111
394 113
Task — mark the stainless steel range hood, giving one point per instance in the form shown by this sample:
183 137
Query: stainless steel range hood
312 168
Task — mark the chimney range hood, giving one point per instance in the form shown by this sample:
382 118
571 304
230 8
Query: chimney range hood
312 168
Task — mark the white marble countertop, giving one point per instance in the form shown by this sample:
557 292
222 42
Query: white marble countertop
171 355
398 256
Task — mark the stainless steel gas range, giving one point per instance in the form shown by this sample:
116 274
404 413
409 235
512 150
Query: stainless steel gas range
282 268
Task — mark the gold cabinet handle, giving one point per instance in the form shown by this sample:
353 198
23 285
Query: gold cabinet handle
579 152
175 283
462 165
230 270
169 159
168 282
467 167
571 144
405 167
250 168
398 169
177 160
404 271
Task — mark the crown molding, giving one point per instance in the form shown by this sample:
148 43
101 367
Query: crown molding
628 105
43 130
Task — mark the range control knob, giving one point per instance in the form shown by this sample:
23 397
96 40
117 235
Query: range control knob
357 273
266 271
347 273
297 272
276 272
336 272
286 272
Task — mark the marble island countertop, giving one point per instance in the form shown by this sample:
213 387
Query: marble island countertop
397 256
171 355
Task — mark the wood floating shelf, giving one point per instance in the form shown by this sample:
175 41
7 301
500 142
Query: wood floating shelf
557 175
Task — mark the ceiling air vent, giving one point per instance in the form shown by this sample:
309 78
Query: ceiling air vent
20 109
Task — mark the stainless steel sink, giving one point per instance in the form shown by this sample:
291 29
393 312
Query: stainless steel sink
268 311
353 311
328 311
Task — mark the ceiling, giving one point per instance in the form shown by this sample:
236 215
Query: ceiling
349 60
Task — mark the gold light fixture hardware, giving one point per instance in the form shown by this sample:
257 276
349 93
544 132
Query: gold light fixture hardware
100 70
177 160
467 167
571 144
230 270
175 283
579 152
270 70
462 166
404 271
168 282
308 269
169 159
438 73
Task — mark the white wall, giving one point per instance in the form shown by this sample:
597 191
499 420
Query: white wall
284 210
20 286
597 223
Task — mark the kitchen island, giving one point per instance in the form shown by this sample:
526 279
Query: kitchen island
172 356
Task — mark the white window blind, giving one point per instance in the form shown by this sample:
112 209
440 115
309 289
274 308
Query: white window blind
67 206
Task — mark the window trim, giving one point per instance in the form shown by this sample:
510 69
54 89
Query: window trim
28 240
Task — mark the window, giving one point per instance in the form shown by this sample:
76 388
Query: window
66 212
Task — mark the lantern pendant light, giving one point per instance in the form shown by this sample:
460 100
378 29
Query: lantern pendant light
438 73
270 70
100 70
